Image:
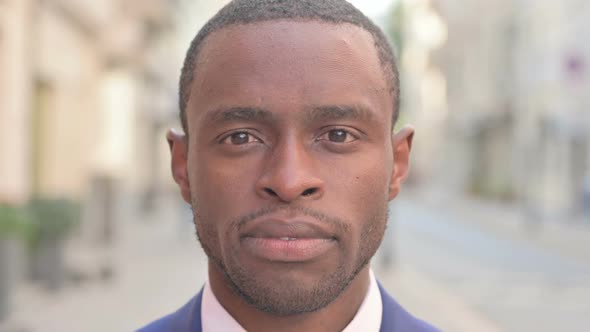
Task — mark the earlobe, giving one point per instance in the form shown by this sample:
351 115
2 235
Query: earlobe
402 145
179 161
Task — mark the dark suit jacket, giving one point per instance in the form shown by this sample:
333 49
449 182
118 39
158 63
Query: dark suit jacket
188 318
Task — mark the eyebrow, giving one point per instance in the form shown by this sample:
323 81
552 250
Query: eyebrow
313 114
339 112
239 114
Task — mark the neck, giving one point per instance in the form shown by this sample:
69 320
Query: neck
334 317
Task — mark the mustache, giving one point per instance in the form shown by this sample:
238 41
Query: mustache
334 223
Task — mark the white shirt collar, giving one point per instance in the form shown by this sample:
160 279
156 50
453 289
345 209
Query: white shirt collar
214 317
367 319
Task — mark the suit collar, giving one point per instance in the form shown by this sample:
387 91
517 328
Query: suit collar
188 318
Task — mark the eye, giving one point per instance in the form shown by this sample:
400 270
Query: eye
338 136
240 138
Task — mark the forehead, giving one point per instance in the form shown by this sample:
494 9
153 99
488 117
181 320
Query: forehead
298 62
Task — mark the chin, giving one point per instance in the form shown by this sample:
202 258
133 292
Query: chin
288 293
289 289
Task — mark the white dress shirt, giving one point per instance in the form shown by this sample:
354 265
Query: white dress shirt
367 319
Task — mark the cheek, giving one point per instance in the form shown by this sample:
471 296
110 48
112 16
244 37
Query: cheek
364 184
221 189
371 194
372 209
359 192
212 182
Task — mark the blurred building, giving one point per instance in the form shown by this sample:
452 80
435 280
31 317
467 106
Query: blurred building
514 117
477 64
83 84
14 100
74 87
420 32
552 121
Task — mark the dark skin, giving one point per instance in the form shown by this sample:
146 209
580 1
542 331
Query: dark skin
290 117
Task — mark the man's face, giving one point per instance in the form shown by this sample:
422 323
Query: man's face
290 159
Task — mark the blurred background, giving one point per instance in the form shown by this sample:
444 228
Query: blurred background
491 233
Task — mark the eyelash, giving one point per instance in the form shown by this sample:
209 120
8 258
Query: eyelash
346 131
225 138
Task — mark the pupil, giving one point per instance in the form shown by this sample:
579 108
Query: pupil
239 138
337 136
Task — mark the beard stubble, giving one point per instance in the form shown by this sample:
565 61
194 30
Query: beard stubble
283 297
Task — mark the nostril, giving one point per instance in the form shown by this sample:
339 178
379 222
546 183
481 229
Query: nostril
310 191
270 192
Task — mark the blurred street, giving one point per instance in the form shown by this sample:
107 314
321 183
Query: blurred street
157 265
520 284
449 272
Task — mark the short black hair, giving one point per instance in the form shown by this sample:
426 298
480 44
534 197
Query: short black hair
239 12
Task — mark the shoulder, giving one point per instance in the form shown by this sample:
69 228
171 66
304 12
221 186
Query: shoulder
185 319
396 319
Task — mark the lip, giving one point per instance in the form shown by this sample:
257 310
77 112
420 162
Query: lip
281 240
279 228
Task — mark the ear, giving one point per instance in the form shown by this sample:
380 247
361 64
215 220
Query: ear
402 145
179 152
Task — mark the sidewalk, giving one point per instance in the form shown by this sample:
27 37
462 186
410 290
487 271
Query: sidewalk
509 221
159 265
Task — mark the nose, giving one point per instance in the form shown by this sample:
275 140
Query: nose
290 175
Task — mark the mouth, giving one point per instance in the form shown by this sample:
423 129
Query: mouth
278 240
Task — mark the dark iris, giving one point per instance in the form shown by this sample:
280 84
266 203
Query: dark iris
239 138
338 136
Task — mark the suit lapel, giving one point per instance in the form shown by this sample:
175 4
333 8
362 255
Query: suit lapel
188 318
389 308
394 317
397 319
